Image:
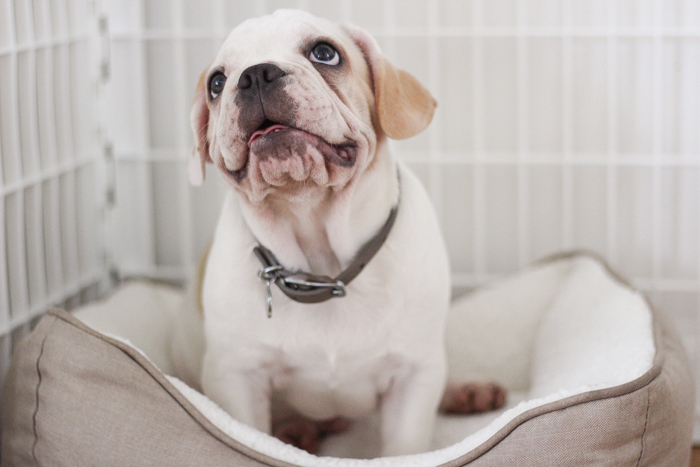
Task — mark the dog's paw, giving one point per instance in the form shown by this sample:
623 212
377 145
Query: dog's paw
472 397
307 434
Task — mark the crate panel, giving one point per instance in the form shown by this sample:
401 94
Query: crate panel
635 233
681 98
456 98
132 214
544 13
499 13
590 209
15 254
124 16
681 14
457 218
69 239
62 103
545 207
6 24
501 221
124 98
635 14
369 14
206 202
34 244
237 12
199 14
500 103
41 12
679 222
82 116
635 94
334 11
88 223
160 67
158 14
455 13
544 92
411 15
23 26
45 112
26 100
589 96
59 18
591 14
9 124
167 180
79 16
52 237
273 5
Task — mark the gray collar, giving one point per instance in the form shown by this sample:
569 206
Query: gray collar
310 288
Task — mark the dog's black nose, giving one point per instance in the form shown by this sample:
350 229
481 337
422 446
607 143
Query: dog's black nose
262 73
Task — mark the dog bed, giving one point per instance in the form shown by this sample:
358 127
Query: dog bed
595 378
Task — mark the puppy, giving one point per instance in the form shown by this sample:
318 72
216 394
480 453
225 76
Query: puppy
327 284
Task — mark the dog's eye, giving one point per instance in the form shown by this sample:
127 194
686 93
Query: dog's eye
324 53
216 85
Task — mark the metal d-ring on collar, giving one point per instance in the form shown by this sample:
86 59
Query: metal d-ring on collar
310 288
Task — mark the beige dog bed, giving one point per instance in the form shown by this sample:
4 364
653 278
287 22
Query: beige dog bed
595 377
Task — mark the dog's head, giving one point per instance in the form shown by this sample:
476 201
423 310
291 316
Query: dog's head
294 103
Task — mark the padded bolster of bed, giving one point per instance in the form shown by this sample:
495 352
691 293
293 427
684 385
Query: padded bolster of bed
76 398
645 423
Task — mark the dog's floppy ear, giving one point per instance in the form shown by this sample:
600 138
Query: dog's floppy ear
404 106
199 119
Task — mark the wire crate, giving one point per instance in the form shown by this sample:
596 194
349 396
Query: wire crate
561 125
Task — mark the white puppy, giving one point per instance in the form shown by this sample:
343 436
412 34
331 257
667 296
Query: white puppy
295 113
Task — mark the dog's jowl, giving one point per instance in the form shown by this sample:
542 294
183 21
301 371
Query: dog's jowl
324 293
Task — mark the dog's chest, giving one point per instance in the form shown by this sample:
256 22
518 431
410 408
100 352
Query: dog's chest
325 367
324 382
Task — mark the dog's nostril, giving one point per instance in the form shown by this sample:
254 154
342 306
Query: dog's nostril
272 72
245 81
263 73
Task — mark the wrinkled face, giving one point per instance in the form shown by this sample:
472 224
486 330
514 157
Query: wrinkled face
290 107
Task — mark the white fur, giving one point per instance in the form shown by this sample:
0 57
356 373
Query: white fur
386 337
381 347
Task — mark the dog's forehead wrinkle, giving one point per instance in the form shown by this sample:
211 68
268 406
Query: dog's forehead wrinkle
293 30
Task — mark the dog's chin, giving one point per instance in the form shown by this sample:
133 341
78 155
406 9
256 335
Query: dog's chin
292 161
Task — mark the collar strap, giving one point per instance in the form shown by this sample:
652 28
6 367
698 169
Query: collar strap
309 288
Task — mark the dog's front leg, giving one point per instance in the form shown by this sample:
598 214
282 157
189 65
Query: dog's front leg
409 409
244 394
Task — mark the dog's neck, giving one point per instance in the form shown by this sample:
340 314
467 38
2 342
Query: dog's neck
323 234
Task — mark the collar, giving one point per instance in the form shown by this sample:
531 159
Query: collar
310 288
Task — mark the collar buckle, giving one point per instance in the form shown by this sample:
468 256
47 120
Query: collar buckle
309 282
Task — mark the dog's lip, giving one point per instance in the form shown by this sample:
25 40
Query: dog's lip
266 131
345 152
342 154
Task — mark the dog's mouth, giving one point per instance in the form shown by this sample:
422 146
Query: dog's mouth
274 139
267 127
